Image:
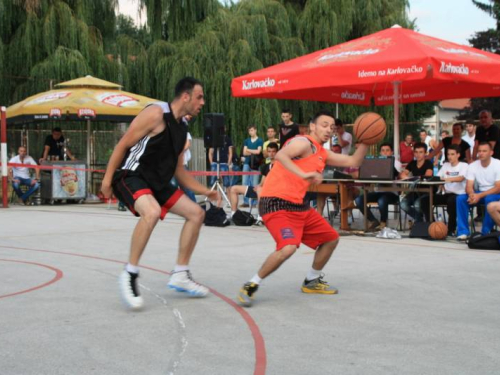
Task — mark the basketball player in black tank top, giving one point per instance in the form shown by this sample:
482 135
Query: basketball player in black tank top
139 172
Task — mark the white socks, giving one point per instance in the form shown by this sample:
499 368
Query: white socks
181 268
256 279
131 268
313 274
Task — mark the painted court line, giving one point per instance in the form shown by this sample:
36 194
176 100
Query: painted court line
259 344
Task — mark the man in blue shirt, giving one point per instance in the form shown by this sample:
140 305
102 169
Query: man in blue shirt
252 151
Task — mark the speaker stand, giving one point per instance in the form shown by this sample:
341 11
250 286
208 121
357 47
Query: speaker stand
217 184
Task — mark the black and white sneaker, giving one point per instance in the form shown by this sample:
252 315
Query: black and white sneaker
129 290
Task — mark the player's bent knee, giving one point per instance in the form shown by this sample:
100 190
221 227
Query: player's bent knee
196 215
331 244
287 251
152 214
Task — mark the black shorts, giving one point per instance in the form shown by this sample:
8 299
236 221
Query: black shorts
128 186
250 193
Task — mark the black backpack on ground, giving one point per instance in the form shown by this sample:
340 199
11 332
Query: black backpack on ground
487 242
243 219
215 216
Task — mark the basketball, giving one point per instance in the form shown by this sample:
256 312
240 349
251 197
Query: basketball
438 230
369 128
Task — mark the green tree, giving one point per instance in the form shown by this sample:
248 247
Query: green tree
488 40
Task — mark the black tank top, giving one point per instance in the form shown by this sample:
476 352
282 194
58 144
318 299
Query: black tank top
155 158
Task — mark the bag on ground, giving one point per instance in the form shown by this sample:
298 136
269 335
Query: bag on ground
215 216
243 219
487 242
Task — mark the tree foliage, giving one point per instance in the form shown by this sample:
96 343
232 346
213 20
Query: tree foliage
488 40
48 41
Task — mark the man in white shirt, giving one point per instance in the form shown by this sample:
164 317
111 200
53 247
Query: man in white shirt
470 135
453 173
21 175
485 173
344 138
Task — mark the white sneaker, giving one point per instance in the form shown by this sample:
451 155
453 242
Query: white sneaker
129 290
462 237
183 282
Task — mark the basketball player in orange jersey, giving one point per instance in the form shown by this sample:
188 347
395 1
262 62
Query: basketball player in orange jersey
289 219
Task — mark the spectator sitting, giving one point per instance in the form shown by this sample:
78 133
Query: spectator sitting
271 137
453 173
252 151
21 175
251 192
406 149
456 139
420 167
383 199
485 173
54 147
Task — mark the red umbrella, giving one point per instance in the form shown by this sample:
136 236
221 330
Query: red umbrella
398 61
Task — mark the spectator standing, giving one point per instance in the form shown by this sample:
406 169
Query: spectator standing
344 138
485 174
406 149
457 140
21 175
453 173
487 132
426 138
271 138
252 149
470 135
54 147
288 129
420 167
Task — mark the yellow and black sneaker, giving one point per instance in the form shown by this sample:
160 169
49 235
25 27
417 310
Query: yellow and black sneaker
318 286
245 296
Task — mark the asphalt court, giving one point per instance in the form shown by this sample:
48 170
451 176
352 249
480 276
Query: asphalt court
405 306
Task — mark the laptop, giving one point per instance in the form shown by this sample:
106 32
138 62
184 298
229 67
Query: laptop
331 173
381 169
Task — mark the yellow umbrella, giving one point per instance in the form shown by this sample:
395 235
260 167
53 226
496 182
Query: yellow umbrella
81 99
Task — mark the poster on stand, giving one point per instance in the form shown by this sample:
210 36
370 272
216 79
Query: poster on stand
68 183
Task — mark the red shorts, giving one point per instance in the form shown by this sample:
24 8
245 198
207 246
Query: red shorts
294 228
129 186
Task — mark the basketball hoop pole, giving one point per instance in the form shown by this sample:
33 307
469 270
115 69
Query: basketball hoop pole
3 150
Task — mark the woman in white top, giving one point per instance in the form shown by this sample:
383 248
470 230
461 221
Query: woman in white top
453 173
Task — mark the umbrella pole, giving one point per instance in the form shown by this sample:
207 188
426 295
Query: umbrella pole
88 157
396 119
5 187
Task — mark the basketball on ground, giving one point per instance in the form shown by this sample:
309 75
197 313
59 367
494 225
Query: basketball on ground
438 230
369 128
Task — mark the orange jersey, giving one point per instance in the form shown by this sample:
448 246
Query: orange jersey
283 184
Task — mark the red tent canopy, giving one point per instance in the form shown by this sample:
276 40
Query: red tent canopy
354 72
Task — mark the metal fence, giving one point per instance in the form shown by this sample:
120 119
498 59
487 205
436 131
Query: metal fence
102 143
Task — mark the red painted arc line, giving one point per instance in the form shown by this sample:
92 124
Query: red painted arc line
57 277
260 347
